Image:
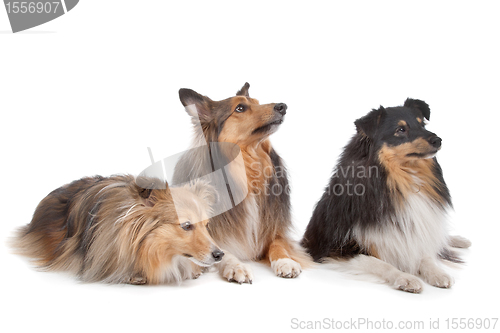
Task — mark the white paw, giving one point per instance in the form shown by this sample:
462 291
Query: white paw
408 283
439 279
460 242
286 268
238 272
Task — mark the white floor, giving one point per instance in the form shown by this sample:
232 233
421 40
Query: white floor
87 93
58 303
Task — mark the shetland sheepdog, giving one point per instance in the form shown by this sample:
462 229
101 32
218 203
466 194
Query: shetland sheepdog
113 230
259 227
384 211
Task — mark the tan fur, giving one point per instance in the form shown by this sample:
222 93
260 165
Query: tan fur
373 251
259 168
110 233
407 174
239 126
258 165
281 248
238 129
258 227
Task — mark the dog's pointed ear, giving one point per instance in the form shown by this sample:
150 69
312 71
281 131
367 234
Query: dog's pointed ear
368 124
146 187
420 106
244 90
196 104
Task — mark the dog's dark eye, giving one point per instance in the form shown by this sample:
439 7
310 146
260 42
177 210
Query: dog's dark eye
187 226
401 130
240 108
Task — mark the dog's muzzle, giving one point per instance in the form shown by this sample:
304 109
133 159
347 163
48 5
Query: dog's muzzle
217 254
280 108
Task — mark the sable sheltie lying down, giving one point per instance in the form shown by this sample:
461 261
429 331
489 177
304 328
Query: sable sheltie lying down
113 230
384 211
259 227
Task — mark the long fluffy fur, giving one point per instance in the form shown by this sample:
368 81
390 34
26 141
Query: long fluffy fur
259 226
400 217
111 230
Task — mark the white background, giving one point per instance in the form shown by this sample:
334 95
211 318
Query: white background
86 94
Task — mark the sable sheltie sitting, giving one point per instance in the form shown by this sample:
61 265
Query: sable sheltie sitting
115 231
385 207
258 227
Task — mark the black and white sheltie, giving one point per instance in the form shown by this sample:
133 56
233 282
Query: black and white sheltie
384 211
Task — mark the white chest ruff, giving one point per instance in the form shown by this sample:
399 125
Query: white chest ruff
250 247
416 231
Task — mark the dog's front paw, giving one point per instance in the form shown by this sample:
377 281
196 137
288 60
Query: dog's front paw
138 280
460 242
286 268
196 272
238 272
439 279
408 283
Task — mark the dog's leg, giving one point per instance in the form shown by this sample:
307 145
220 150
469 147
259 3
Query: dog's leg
234 270
387 272
434 275
279 256
459 242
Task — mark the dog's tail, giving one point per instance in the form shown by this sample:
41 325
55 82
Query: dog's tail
41 248
20 244
300 255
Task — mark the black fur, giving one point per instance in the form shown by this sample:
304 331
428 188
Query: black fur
330 230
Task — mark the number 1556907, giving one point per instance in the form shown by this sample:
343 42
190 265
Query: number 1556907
25 7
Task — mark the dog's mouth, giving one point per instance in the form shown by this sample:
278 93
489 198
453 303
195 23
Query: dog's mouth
268 127
429 154
198 262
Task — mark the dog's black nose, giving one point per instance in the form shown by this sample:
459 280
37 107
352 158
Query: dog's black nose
281 108
435 141
218 254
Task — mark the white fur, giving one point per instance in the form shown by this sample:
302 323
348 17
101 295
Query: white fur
180 268
253 246
234 270
415 232
286 267
433 274
408 244
380 269
460 242
200 263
